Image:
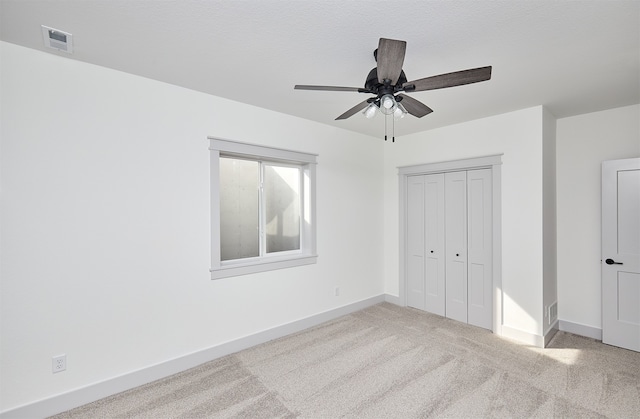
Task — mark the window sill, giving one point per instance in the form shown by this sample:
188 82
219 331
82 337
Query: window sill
262 265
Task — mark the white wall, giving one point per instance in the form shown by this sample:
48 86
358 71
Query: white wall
519 136
583 143
105 224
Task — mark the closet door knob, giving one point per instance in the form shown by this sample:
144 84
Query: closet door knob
432 251
457 254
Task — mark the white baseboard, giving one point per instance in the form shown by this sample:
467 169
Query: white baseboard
581 329
522 336
393 299
550 333
506 331
543 341
81 396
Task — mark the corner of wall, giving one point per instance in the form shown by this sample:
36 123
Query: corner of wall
549 215
550 333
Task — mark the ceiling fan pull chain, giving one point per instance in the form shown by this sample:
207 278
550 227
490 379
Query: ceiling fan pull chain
385 127
393 129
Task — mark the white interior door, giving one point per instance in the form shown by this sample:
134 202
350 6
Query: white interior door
455 192
479 248
621 253
415 242
434 244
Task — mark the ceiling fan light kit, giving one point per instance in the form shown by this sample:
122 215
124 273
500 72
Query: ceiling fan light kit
370 111
389 104
387 81
400 111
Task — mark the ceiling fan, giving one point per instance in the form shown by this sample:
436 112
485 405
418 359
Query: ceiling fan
388 80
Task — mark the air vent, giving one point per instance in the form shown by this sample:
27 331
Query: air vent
57 39
553 312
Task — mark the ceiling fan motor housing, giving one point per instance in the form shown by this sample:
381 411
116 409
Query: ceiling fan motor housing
372 85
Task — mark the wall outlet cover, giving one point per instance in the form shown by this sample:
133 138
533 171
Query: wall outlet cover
59 363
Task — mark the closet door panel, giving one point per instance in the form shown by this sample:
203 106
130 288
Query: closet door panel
434 244
456 245
476 285
479 197
415 243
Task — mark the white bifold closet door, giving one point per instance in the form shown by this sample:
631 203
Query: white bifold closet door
425 243
449 245
479 248
415 242
455 198
435 241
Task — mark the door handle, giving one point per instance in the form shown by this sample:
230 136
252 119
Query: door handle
612 262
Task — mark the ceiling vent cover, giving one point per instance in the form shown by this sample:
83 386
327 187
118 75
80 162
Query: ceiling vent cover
56 39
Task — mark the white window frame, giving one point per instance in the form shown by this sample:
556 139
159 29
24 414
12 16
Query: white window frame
279 260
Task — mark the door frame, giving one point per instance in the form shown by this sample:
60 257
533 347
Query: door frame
493 162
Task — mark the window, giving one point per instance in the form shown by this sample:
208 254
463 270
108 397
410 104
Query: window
262 208
246 187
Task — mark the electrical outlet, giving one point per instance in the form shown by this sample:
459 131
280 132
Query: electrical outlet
59 363
337 291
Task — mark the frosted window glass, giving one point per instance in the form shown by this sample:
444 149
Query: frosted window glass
239 209
282 208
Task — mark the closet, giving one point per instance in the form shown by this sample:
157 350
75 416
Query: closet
448 250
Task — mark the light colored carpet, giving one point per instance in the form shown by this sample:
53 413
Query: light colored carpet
393 362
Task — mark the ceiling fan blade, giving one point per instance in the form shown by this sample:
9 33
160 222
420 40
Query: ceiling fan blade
360 106
414 107
329 88
457 78
390 59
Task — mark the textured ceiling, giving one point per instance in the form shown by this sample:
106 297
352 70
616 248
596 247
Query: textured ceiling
572 56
